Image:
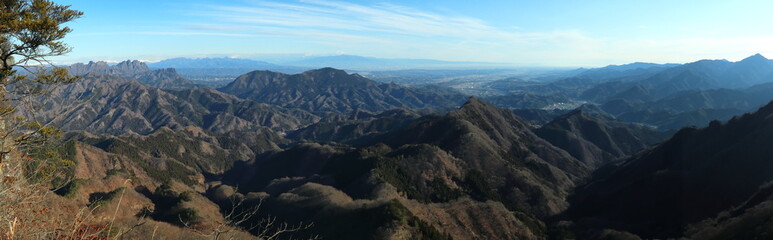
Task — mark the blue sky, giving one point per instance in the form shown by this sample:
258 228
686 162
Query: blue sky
524 33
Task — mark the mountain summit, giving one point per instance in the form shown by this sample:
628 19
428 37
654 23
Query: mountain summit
755 57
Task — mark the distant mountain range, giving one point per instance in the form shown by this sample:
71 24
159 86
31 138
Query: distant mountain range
667 96
166 78
211 63
125 68
212 67
215 68
700 75
218 71
617 71
352 62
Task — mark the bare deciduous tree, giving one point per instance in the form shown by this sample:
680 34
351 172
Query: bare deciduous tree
242 214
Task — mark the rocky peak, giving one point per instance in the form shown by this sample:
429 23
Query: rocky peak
96 64
133 66
124 69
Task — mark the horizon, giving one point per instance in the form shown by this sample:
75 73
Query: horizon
517 34
470 67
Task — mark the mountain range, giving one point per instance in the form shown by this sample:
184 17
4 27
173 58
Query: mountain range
436 165
598 154
700 75
110 104
667 96
217 71
162 78
332 90
302 63
125 68
209 69
352 62
224 62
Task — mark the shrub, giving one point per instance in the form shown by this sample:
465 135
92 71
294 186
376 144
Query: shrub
185 217
186 196
70 189
100 198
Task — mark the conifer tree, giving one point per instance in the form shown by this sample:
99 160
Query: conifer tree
31 31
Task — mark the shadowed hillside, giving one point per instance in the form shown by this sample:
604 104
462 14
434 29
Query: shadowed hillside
693 176
596 139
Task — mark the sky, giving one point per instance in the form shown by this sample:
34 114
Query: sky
558 33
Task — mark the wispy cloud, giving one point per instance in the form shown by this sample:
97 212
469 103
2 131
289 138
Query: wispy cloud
385 18
343 23
518 32
169 33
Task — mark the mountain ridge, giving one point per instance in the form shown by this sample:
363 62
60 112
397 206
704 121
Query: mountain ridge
498 143
166 78
331 90
691 177
111 104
